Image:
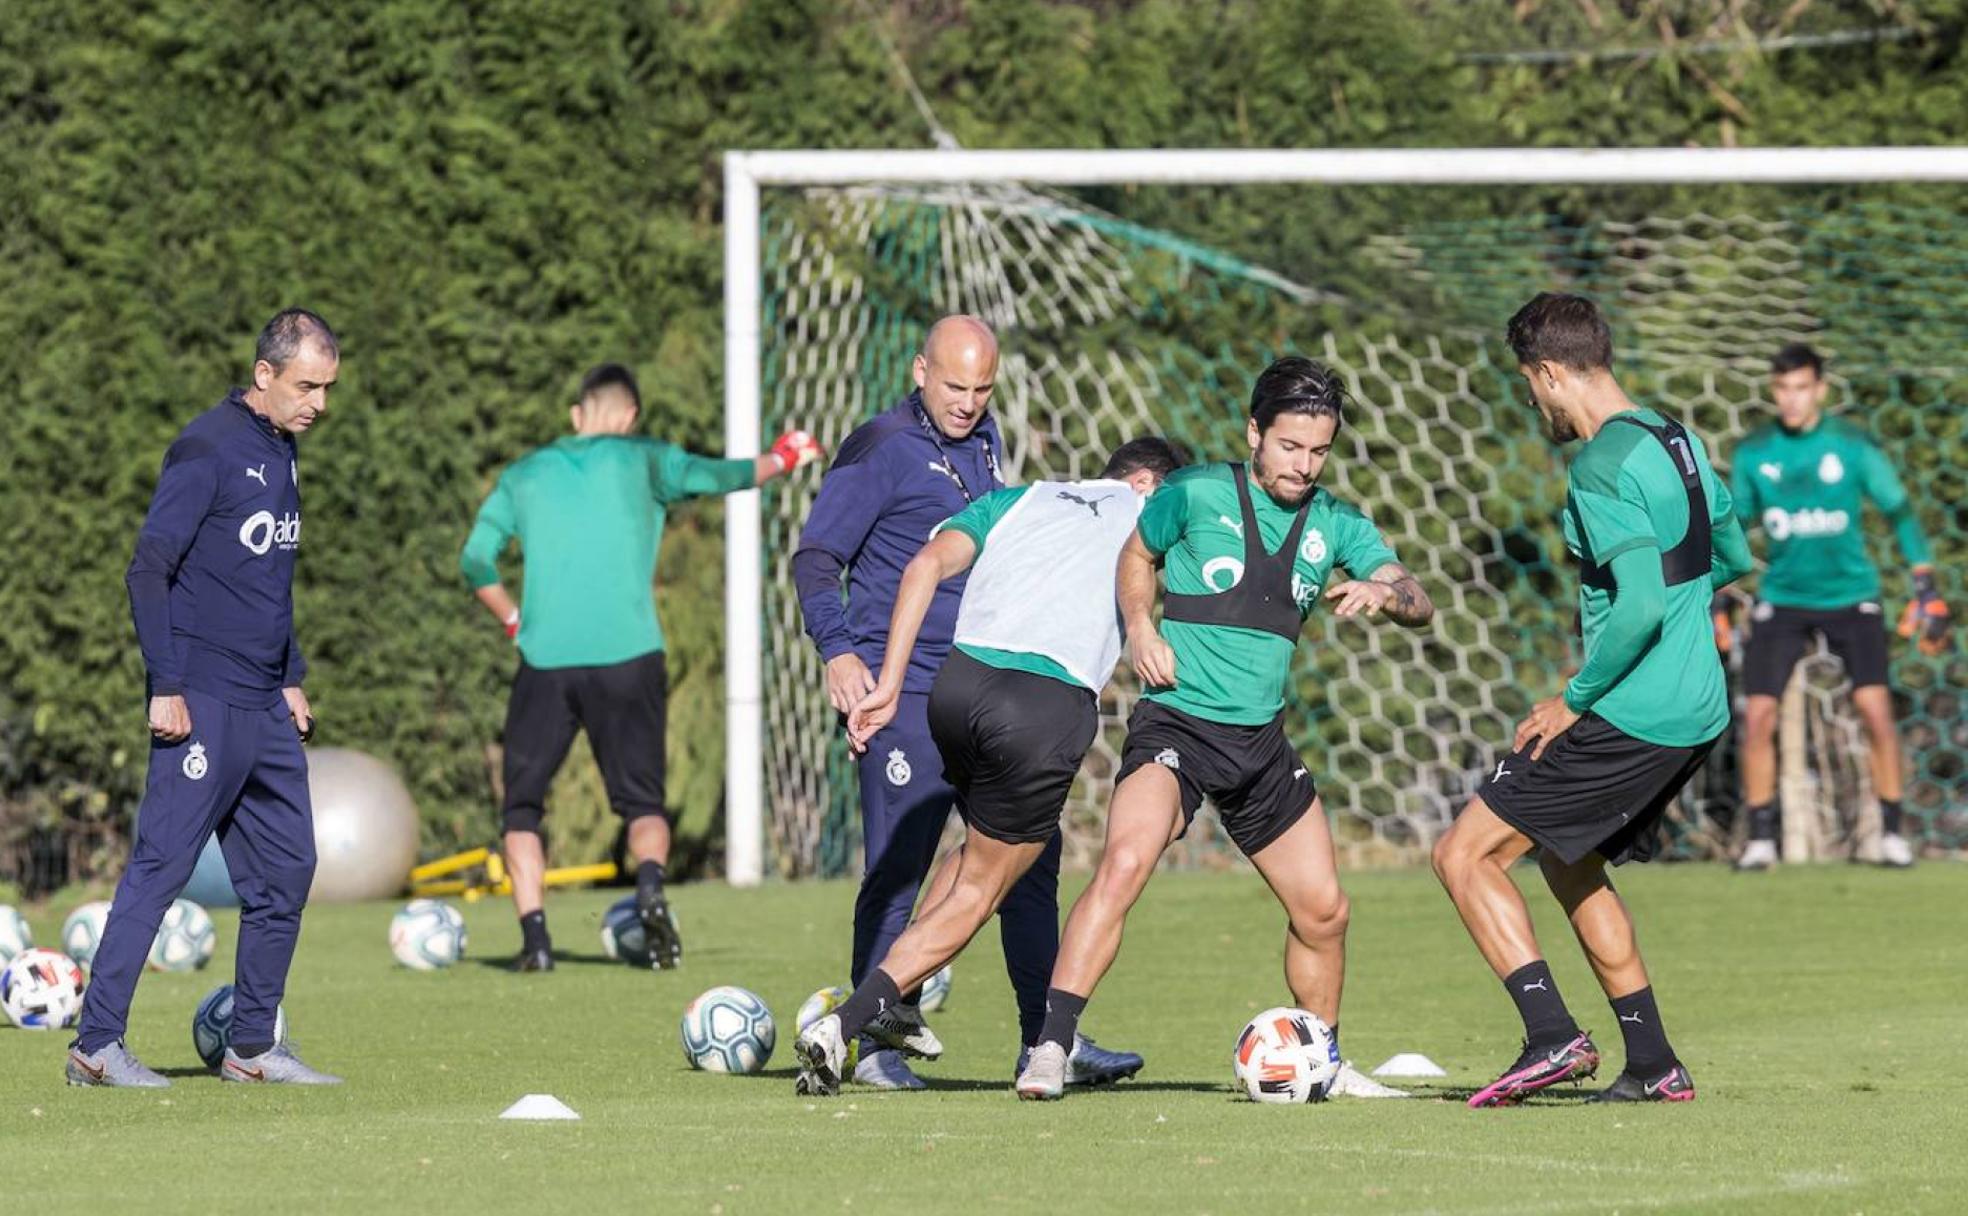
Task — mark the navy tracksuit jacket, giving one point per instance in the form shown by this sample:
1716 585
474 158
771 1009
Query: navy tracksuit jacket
892 482
211 590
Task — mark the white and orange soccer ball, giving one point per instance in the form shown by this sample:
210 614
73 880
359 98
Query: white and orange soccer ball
1286 1055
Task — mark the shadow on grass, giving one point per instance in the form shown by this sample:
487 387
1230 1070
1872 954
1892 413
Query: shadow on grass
785 1075
560 957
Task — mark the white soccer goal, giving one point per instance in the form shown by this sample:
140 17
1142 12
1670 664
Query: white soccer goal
835 262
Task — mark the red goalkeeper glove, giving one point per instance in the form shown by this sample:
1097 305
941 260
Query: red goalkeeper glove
1926 617
795 448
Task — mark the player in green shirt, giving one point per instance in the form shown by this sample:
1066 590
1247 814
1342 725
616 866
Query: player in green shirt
1593 769
588 510
1247 550
1806 478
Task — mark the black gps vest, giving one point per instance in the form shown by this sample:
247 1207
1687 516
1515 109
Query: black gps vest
1692 558
1262 598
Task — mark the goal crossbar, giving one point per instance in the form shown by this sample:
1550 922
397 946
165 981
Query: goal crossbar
746 172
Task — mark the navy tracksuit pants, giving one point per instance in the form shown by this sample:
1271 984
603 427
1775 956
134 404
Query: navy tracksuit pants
904 805
241 773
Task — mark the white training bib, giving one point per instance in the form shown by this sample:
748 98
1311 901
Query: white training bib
1045 582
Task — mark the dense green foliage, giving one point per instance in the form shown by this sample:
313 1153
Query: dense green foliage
486 198
1814 963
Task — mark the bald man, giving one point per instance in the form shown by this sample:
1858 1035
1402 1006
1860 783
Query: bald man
895 479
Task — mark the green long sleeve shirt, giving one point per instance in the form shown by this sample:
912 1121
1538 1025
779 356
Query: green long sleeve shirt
588 512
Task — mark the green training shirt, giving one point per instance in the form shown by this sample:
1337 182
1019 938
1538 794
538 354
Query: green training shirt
1228 673
976 522
1625 493
588 512
1806 488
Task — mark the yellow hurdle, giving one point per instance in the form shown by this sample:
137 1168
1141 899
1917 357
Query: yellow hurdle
477 873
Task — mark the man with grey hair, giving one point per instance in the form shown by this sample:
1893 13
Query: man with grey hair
211 591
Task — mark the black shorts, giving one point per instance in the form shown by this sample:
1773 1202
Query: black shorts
621 706
1260 786
1011 744
1778 638
1597 789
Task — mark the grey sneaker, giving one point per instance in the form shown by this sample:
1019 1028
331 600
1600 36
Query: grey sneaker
822 1052
113 1066
1757 855
1894 851
885 1070
1352 1083
277 1065
1044 1078
901 1028
1090 1064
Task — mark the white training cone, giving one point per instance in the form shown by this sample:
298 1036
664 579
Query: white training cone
1409 1064
539 1106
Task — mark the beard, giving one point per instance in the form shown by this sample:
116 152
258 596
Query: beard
1558 428
1265 482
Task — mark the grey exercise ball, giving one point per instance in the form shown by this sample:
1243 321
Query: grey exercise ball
365 826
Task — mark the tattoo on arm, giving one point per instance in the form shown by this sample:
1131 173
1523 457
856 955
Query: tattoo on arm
1410 605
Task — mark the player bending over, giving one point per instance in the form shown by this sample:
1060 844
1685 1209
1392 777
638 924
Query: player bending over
1013 709
1591 771
1805 479
1244 567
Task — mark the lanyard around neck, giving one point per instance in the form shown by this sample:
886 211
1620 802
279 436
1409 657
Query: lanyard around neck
949 461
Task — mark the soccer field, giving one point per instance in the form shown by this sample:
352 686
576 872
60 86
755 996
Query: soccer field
1819 1010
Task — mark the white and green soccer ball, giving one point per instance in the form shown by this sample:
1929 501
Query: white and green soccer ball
936 990
41 990
622 936
427 934
15 935
728 1029
185 938
818 1006
82 931
211 1026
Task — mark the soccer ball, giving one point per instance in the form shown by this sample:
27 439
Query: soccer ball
427 934
728 1030
1286 1055
935 991
211 1026
818 1006
82 931
185 938
15 936
41 990
621 933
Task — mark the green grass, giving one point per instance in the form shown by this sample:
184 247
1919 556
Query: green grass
1819 1010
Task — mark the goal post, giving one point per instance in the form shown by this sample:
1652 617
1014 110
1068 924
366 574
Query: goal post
964 173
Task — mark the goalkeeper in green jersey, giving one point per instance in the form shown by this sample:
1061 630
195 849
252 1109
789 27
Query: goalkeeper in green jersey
1804 478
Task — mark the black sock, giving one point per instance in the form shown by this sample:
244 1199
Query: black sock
247 1051
1062 1020
1647 1052
1763 821
533 932
1890 815
650 876
870 999
1546 1020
